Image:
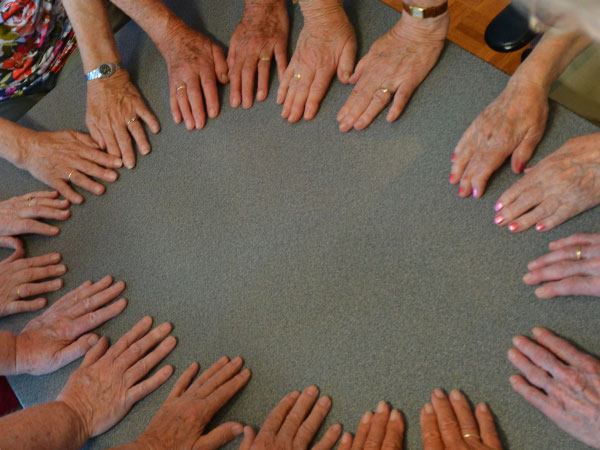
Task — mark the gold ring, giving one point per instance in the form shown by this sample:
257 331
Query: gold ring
578 253
29 202
265 58
19 292
130 121
298 75
183 86
70 175
385 90
471 435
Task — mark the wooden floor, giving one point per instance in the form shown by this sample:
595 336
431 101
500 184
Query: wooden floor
469 19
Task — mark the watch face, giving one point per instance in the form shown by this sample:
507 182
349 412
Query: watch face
105 70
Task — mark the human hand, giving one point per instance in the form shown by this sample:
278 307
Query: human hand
384 431
195 63
561 381
180 423
571 268
512 125
450 425
327 44
114 106
395 66
559 187
59 157
17 282
103 390
57 337
18 214
288 426
262 33
16 245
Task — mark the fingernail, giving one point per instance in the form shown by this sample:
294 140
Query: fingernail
129 165
113 176
520 167
61 269
295 394
247 431
395 415
456 395
483 407
428 408
461 190
260 94
438 393
92 340
498 219
451 178
513 227
312 391
498 206
55 257
540 227
224 77
537 332
367 417
516 340
346 75
380 407
346 438
475 193
527 277
119 162
324 401
237 429
453 157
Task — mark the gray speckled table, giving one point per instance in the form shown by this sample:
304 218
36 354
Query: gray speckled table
344 260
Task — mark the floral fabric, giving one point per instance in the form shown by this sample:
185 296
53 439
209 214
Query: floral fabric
36 38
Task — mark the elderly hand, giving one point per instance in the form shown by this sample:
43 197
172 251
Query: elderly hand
107 385
195 63
113 113
18 214
16 245
327 44
17 281
512 125
395 66
559 187
384 431
57 337
449 424
571 268
561 381
293 424
262 33
181 422
62 157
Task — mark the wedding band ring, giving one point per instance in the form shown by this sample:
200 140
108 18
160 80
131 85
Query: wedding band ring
298 75
471 435
578 253
183 86
385 90
265 58
70 175
130 121
19 292
29 202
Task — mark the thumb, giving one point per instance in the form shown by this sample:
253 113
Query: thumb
220 436
249 436
14 243
76 349
347 59
524 152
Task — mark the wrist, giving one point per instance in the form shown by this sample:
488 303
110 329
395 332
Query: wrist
174 26
422 30
76 421
8 363
321 10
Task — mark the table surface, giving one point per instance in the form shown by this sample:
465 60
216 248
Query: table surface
343 260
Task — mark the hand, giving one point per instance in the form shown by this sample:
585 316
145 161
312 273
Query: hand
57 158
385 431
571 268
195 64
180 423
395 66
16 245
114 107
562 185
17 282
56 338
289 427
103 390
262 33
450 425
18 214
512 125
327 43
562 382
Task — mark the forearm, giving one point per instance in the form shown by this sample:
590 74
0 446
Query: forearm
94 34
47 426
13 144
8 353
550 58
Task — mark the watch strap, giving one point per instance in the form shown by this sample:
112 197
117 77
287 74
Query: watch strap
97 73
425 13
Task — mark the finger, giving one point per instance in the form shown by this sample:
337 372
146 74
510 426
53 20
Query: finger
301 95
589 286
41 195
329 439
125 145
225 392
346 442
462 409
184 105
578 239
378 426
512 211
81 180
149 119
96 352
318 89
95 319
96 135
221 68
311 425
249 437
401 98
561 270
184 381
362 431
39 273
264 71
66 191
146 364
139 136
36 261
44 212
86 289
430 432
76 350
394 434
212 370
280 51
196 100
223 375
174 103
138 330
34 289
235 80
347 59
220 436
489 435
534 374
96 300
356 104
276 417
560 216
298 413
291 94
140 347
211 93
379 101
248 75
146 387
112 145
564 254
534 396
284 85
18 307
446 419
524 151
15 244
102 159
564 350
94 170
30 226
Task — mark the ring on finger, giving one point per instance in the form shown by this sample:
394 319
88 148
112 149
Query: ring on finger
180 87
578 254
471 435
130 121
70 175
19 292
265 58
29 202
298 75
385 90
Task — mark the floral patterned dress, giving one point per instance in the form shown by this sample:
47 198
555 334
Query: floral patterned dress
36 38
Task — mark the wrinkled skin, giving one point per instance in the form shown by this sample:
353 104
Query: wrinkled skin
18 215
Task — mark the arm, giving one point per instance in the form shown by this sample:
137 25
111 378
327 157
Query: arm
8 352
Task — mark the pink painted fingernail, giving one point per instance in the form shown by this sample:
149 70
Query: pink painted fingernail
461 190
453 157
498 206
513 227
475 193
520 167
540 227
498 219
451 178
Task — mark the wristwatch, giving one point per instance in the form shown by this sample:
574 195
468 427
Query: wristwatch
104 70
425 13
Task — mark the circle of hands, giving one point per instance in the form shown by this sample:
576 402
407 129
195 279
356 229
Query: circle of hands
560 380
